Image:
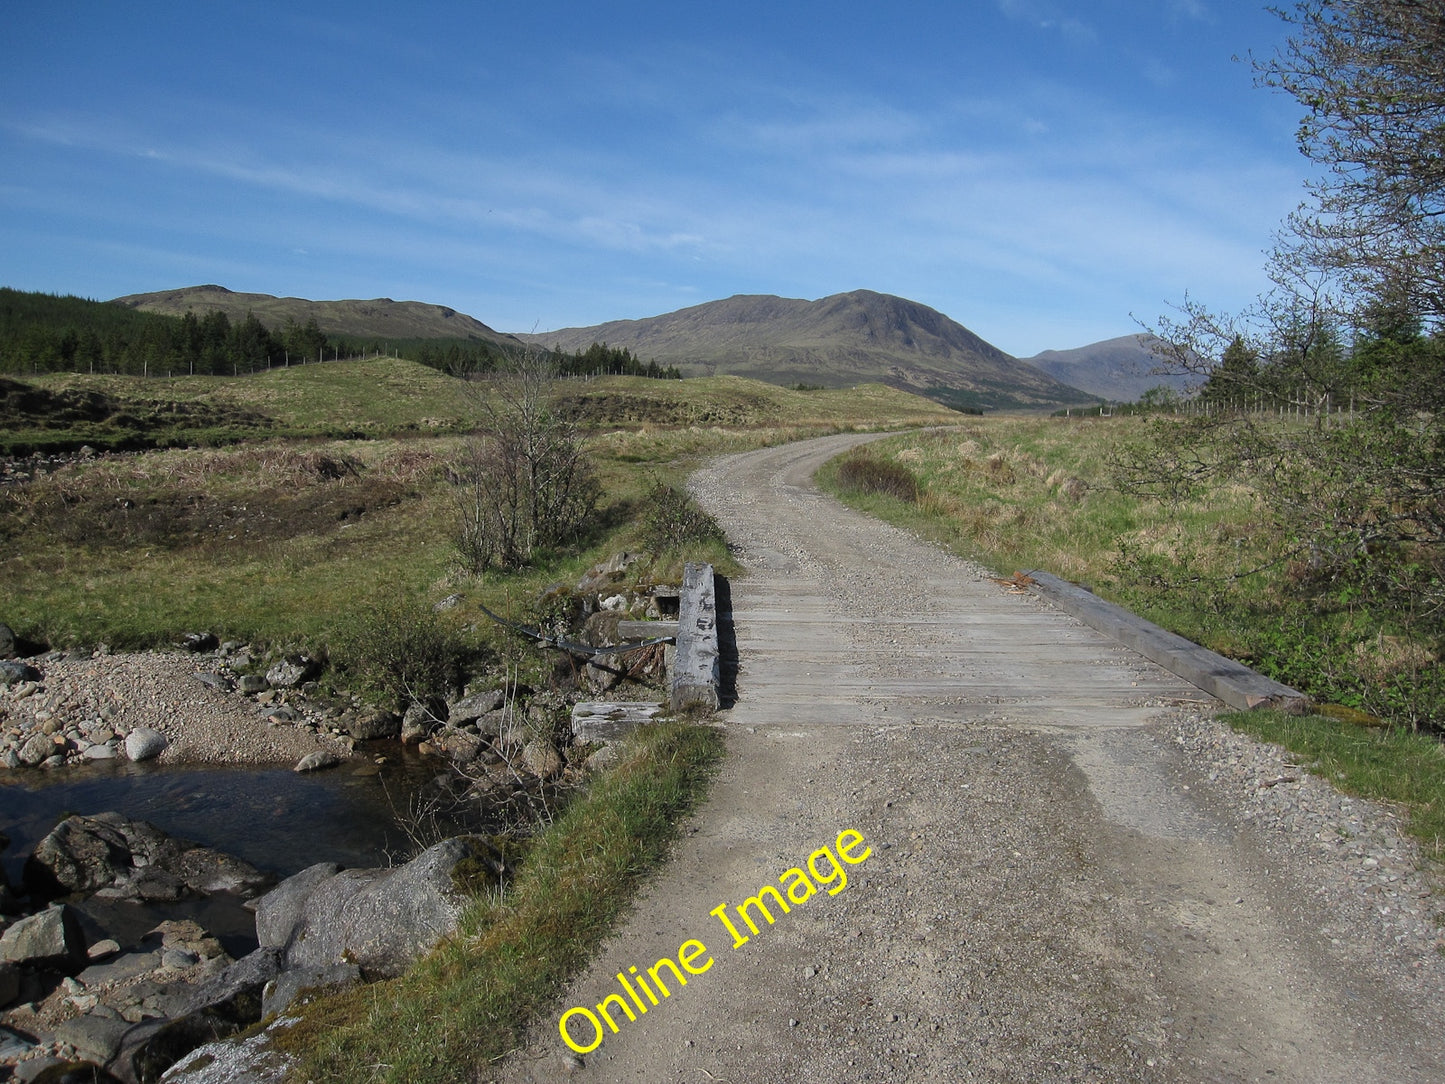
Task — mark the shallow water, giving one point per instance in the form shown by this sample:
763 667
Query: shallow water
276 819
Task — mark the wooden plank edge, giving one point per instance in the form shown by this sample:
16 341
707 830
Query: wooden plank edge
1231 682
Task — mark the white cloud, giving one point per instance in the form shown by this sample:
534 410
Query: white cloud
1046 15
1195 10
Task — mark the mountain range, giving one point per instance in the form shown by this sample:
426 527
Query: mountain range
837 341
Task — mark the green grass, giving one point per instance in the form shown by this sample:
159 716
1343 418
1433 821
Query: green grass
387 397
466 1004
1016 494
371 398
286 540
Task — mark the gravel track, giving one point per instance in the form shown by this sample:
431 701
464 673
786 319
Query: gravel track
1075 874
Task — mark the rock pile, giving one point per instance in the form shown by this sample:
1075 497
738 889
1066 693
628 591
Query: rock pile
137 1009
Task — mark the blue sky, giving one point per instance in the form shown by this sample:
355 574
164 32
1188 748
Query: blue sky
1044 172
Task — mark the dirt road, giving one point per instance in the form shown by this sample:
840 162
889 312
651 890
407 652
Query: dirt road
1055 888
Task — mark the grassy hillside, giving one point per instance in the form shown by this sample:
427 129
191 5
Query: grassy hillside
380 317
379 397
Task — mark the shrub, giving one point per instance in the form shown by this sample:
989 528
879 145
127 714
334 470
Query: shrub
673 521
400 651
865 474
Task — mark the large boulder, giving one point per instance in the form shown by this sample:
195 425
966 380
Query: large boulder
205 871
370 724
126 859
219 1007
279 913
50 939
379 919
80 854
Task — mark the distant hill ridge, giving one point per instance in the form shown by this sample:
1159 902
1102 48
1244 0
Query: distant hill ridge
843 339
380 317
838 341
1120 369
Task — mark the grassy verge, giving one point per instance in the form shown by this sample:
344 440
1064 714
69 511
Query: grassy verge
467 1003
1021 493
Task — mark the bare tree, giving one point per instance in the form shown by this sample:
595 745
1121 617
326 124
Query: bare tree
526 482
1371 75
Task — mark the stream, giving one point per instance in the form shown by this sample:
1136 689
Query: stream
276 819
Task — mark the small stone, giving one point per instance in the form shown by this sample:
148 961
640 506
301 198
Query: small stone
13 673
35 749
542 758
317 761
604 758
144 743
199 641
291 671
371 724
102 950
